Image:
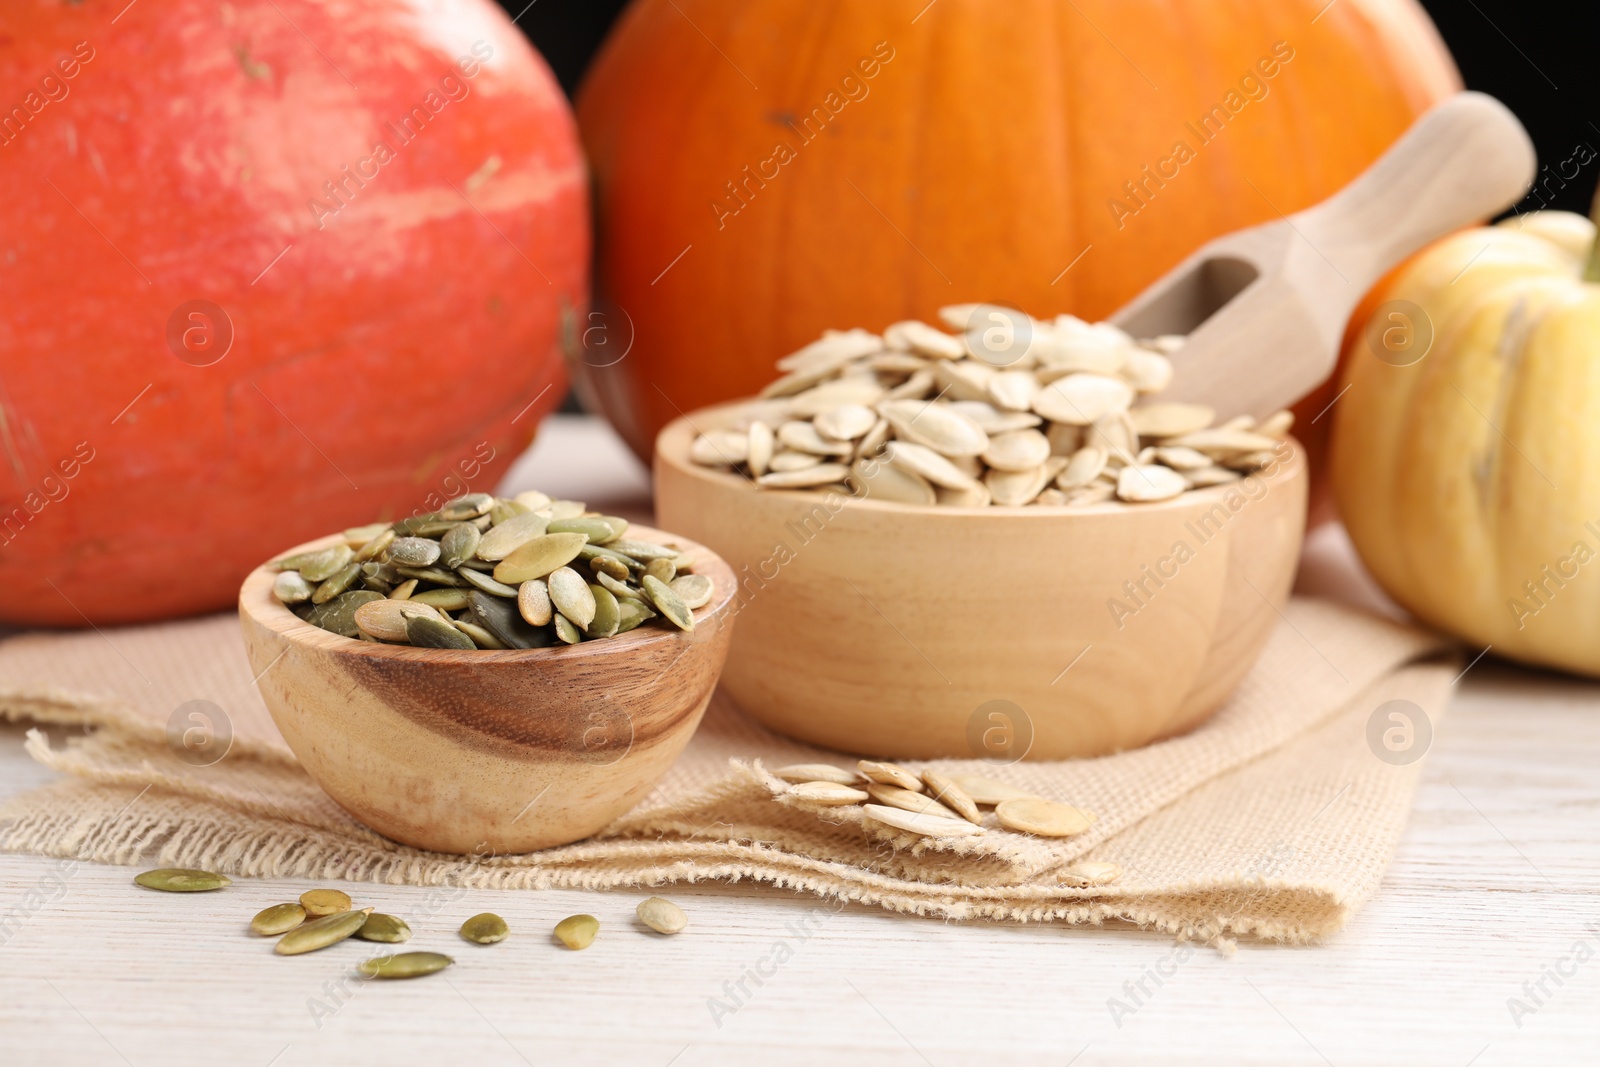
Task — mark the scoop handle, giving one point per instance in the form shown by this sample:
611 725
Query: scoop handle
1463 161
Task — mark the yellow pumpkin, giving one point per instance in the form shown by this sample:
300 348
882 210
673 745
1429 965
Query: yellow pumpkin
1466 449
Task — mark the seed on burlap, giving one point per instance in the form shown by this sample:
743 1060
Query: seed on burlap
831 794
1044 818
925 825
948 793
1091 872
889 774
817 772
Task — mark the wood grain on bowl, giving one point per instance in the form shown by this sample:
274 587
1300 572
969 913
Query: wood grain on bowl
1000 633
487 751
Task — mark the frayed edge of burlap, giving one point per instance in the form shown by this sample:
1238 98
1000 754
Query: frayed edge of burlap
58 707
72 820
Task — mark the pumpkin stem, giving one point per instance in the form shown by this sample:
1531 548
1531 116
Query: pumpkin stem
1591 272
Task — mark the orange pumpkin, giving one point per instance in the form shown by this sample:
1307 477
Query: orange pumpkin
769 168
259 288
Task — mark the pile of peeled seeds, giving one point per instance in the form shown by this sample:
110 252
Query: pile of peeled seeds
489 573
938 805
1007 410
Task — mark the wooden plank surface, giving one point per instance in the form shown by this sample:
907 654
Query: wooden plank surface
1496 884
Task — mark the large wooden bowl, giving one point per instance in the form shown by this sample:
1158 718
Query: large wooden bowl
998 633
487 752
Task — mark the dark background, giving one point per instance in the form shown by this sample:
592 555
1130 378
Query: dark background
1536 57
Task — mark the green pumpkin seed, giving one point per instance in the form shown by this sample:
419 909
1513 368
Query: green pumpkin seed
278 919
610 567
182 880
294 562
693 589
375 586
577 931
506 510
343 580
618 589
339 614
539 556
668 603
291 588
662 916
384 572
458 544
565 509
404 965
631 614
508 536
485 929
567 633
486 583
662 570
402 591
375 547
500 617
443 599
320 933
594 552
532 499
386 928
413 552
643 551
533 601
607 616
599 531
424 632
320 902
413 526
436 575
469 506
320 566
571 596
385 620
480 637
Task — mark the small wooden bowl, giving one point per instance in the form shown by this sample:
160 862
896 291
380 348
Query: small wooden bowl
491 752
936 632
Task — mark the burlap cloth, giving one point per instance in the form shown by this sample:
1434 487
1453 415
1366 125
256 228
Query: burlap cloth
1276 819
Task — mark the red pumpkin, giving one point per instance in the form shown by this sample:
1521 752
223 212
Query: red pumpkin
766 169
271 268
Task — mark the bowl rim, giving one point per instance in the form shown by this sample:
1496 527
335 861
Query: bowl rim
684 427
257 604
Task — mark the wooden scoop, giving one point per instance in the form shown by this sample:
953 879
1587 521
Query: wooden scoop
1265 308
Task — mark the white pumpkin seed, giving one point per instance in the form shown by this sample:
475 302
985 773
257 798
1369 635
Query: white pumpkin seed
924 825
803 437
830 794
889 774
1171 419
821 474
786 461
1042 818
1152 482
1019 450
877 479
1091 872
935 426
1079 399
817 772
662 916
759 447
845 422
906 800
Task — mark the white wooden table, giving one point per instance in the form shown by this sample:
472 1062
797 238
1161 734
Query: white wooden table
1495 890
